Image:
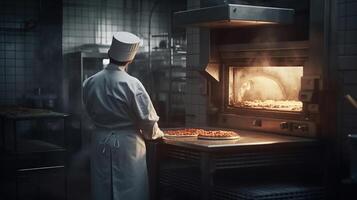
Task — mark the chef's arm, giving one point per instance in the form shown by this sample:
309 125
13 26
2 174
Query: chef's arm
146 115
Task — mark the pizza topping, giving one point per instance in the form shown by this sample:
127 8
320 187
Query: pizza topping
184 132
218 133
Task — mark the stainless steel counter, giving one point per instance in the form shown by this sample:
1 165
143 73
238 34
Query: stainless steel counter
252 150
247 138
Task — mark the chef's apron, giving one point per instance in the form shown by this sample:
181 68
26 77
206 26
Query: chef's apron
118 165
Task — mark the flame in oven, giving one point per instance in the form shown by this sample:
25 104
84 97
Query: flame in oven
272 88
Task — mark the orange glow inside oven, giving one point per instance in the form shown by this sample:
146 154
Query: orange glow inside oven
268 87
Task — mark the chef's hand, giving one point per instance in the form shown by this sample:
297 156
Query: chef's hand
158 138
161 139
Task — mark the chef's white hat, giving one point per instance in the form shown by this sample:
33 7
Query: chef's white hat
124 46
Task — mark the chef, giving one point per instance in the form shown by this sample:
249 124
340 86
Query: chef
124 116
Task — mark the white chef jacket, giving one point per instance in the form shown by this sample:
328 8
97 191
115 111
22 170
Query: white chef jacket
113 99
123 113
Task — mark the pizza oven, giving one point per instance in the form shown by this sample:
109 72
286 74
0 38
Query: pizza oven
268 87
259 71
264 71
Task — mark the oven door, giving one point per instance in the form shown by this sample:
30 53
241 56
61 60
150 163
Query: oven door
265 98
264 91
264 79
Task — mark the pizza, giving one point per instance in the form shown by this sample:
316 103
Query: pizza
202 134
183 132
218 134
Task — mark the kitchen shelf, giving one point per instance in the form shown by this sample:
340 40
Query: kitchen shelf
176 68
37 146
34 141
170 78
49 134
177 79
165 35
172 92
21 113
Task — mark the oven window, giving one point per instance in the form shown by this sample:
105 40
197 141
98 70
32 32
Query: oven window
268 88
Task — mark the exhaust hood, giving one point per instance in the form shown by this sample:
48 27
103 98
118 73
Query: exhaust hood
233 15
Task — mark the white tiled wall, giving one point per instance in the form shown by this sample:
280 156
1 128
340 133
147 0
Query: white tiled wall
347 58
18 60
84 22
196 91
95 21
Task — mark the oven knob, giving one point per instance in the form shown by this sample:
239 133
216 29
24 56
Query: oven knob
303 127
284 125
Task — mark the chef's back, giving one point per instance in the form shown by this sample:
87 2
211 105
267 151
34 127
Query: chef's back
108 97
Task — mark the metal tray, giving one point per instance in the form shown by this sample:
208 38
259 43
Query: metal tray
201 137
218 138
178 136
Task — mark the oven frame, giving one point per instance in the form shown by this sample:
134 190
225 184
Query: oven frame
308 36
290 53
283 53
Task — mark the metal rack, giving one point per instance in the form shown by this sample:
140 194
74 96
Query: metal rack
172 80
168 94
78 67
34 153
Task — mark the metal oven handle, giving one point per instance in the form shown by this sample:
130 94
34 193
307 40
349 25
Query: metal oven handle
352 101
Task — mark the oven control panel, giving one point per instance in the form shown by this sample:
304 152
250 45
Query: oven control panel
294 127
309 93
281 126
